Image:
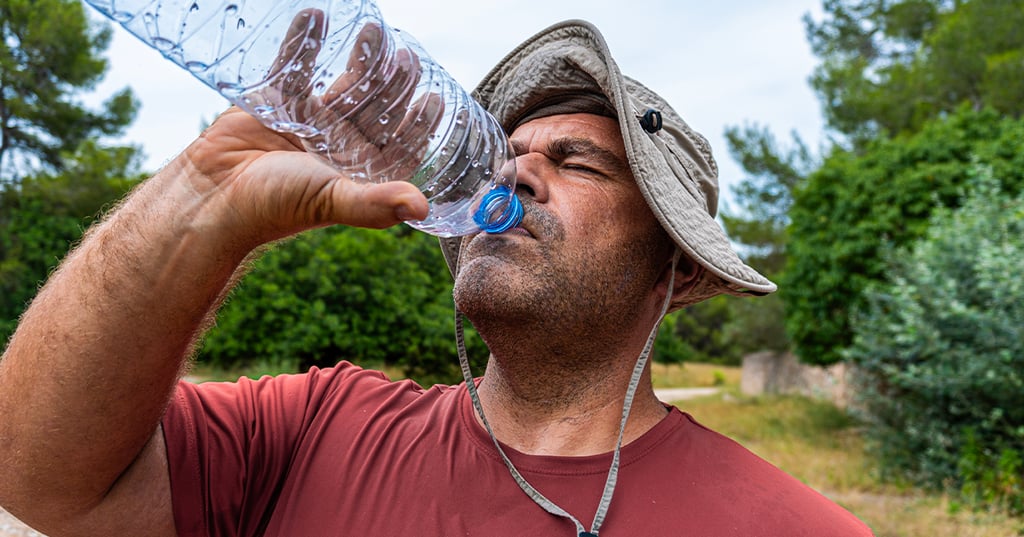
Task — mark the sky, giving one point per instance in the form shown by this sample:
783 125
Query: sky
719 64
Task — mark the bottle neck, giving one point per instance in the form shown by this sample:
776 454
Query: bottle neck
500 210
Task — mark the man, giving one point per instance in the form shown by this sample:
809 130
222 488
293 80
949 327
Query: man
619 194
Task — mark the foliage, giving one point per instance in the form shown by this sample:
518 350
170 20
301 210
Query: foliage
891 72
371 297
940 346
890 66
756 324
765 195
694 334
48 54
854 204
758 224
43 215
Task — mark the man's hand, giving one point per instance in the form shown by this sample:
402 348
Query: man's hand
264 186
368 127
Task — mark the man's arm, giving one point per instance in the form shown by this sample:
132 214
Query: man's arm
87 375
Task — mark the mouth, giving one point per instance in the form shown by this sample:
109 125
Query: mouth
519 230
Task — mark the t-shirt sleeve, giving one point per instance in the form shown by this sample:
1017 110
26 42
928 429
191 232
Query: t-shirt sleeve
229 445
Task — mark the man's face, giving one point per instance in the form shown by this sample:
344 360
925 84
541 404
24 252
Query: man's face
588 242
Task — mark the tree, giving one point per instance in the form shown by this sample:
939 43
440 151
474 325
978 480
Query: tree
765 195
46 214
889 66
940 348
758 224
855 204
912 90
371 297
55 176
49 54
695 334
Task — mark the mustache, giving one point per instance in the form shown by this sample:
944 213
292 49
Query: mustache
540 222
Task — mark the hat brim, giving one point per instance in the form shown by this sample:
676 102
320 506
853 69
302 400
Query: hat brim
673 166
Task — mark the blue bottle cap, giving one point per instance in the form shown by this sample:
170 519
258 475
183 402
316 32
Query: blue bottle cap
500 210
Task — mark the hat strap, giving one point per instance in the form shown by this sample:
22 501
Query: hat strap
613 470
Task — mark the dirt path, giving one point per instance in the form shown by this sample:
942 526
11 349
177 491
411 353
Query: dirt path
681 394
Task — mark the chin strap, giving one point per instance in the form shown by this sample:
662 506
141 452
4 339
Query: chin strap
613 471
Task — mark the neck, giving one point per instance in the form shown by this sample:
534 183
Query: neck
541 399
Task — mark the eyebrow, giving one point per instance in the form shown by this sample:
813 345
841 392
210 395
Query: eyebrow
572 146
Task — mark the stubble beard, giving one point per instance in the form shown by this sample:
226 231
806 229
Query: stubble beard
568 309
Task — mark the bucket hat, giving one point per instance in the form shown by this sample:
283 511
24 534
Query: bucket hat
568 68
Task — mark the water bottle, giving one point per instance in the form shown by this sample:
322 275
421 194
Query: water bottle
361 95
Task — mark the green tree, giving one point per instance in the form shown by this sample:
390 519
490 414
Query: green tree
758 223
55 176
764 196
940 347
370 297
46 214
695 334
49 55
889 66
911 89
854 205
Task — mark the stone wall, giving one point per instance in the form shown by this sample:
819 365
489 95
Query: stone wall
782 373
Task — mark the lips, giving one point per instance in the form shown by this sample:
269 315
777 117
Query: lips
520 230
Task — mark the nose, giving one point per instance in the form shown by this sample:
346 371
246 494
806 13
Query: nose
530 178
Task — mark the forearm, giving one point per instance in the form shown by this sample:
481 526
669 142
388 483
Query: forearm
87 374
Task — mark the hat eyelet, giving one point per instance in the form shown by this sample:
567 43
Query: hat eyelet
651 121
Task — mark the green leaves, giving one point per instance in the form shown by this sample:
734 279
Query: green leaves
940 344
42 215
371 297
855 206
890 66
48 55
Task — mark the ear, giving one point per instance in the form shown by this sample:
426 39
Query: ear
687 274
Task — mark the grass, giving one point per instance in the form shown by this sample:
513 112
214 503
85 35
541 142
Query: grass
694 375
819 444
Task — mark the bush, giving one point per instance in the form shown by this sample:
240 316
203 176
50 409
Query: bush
940 347
370 297
857 202
696 334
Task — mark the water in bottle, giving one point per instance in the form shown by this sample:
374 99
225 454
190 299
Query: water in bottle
361 95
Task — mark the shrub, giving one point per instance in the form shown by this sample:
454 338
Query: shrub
940 348
367 296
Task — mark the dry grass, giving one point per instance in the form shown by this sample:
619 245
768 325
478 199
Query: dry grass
694 375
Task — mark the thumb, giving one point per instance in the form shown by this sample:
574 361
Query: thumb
377 205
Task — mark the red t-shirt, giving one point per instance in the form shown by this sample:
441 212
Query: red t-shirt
344 451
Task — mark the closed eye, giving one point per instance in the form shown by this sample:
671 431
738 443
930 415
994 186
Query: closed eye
584 155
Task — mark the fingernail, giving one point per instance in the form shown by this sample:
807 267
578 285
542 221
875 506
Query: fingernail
403 213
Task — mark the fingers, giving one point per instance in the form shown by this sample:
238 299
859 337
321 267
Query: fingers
377 205
395 85
295 66
412 137
353 87
370 129
296 59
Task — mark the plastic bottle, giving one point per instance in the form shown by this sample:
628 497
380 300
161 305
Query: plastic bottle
361 95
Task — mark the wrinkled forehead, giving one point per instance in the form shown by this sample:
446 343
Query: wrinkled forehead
600 130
